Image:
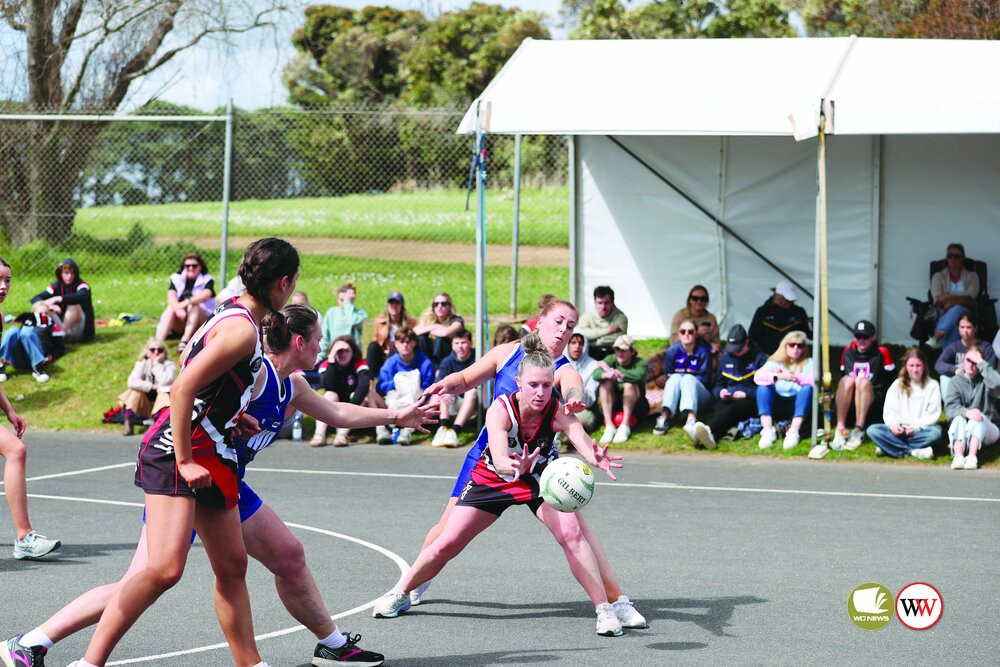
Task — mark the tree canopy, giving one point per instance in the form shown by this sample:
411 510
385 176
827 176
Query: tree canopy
938 19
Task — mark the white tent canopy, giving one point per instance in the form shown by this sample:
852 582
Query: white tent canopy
683 161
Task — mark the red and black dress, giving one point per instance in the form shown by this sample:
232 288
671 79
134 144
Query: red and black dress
492 492
217 407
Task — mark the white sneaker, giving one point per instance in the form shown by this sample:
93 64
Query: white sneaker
609 434
608 624
690 432
971 462
40 376
3 377
405 436
451 438
855 439
391 605
839 439
34 546
383 435
627 614
622 434
923 453
703 436
417 594
439 436
791 440
818 451
661 425
958 462
767 438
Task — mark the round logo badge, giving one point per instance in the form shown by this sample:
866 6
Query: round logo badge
870 606
919 606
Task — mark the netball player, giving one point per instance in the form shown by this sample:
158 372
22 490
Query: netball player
508 474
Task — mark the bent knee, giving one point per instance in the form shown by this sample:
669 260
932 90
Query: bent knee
291 562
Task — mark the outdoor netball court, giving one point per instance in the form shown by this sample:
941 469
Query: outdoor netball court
732 560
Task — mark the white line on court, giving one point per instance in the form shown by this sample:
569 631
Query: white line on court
70 473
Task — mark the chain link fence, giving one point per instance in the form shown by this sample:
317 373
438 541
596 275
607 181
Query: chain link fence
378 196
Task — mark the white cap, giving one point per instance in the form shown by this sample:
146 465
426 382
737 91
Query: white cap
787 290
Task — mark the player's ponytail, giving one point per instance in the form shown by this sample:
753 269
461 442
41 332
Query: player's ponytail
536 355
294 319
265 262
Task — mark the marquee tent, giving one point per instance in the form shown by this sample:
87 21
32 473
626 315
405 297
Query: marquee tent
695 161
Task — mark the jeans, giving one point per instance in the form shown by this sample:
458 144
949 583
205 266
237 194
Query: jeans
963 430
22 348
685 392
948 323
898 446
768 399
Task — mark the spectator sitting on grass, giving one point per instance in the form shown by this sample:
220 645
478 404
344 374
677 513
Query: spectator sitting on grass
37 342
148 384
622 380
784 389
505 333
971 407
578 353
436 326
603 324
68 299
190 300
401 382
385 326
346 378
778 316
911 412
344 319
952 355
696 310
688 368
868 370
455 410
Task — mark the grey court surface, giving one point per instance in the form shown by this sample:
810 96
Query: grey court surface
732 560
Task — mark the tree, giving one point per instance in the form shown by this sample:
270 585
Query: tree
84 57
662 19
937 19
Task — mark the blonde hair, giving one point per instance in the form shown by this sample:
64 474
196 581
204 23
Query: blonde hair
346 286
143 355
781 355
428 316
536 355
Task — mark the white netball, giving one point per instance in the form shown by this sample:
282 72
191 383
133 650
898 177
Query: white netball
567 484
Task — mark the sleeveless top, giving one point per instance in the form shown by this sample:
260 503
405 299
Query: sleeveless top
517 440
505 382
268 408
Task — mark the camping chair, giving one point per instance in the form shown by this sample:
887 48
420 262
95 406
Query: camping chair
925 316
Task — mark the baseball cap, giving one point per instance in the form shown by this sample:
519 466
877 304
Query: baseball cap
864 329
624 342
737 336
786 289
395 295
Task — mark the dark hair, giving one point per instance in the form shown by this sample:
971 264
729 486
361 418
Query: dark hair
264 262
697 287
536 355
353 344
405 333
505 333
195 256
602 291
294 319
3 262
904 377
958 246
462 332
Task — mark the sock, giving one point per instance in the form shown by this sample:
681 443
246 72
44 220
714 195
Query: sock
446 423
82 662
458 427
335 640
37 638
129 413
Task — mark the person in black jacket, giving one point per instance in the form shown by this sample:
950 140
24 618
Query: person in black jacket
69 298
776 317
868 371
346 379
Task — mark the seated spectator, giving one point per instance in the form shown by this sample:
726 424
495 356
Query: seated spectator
386 325
868 371
971 406
455 410
911 412
996 345
603 324
778 316
784 390
300 298
38 341
952 355
436 326
69 298
344 319
148 384
234 287
688 368
953 291
190 300
696 310
505 333
735 391
312 375
622 380
578 353
346 378
401 382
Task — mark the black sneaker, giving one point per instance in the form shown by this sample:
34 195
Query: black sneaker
349 653
15 655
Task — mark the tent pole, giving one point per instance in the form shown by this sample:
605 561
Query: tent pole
481 317
824 311
515 238
571 165
817 371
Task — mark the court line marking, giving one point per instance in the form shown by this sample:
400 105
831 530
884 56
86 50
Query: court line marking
396 558
84 471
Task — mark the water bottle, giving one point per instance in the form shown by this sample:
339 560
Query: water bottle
395 434
297 427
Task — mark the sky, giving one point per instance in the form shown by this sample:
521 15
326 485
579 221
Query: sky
249 70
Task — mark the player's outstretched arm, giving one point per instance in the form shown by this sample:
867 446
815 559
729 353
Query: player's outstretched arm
348 415
473 376
586 446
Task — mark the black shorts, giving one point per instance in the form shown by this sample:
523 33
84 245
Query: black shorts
496 495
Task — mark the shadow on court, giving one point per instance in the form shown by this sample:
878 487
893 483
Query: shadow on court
66 555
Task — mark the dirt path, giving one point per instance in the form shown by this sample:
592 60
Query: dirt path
417 251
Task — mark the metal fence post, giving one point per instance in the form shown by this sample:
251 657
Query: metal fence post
515 238
227 179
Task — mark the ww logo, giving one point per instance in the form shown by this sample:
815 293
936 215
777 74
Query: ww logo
919 606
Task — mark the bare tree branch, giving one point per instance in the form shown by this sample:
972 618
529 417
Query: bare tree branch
10 10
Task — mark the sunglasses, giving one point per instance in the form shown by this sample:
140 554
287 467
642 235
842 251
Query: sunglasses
700 299
685 332
394 301
862 337
192 266
953 255
441 304
157 349
798 345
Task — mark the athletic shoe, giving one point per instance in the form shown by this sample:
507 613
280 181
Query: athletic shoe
417 594
622 434
767 438
383 435
405 436
879 451
855 439
25 656
627 614
661 425
958 462
438 440
839 439
451 438
39 375
391 605
703 436
971 462
791 440
34 546
923 453
609 434
608 624
689 430
3 377
349 653
819 451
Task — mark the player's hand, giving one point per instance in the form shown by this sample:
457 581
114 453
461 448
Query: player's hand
523 463
196 476
440 387
17 421
417 414
739 395
605 461
574 406
246 426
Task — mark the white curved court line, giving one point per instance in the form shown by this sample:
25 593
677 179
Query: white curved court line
396 558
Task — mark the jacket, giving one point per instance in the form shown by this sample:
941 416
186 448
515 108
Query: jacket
698 363
395 364
76 293
586 365
736 373
382 331
593 326
920 409
633 374
340 321
771 322
145 375
979 393
952 356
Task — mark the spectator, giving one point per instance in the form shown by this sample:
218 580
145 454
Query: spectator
970 405
401 382
234 287
696 310
37 342
505 333
688 368
623 380
300 298
912 409
951 356
784 389
386 325
953 292
69 299
996 345
735 391
578 353
344 319
346 378
867 369
148 384
436 326
190 300
455 410
603 324
778 316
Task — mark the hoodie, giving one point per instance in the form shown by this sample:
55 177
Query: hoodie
586 365
76 293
